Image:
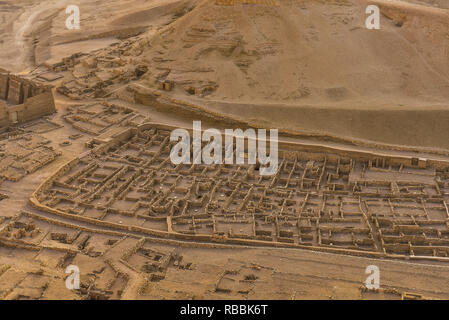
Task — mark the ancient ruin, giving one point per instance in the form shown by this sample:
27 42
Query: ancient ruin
87 182
23 99
360 203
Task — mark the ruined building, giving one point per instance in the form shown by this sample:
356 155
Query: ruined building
22 100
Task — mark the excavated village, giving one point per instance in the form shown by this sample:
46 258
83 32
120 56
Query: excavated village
87 182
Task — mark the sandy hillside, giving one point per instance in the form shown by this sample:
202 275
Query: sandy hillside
312 66
93 185
310 52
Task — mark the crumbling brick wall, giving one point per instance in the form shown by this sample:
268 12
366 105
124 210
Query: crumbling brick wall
234 2
3 114
38 106
4 84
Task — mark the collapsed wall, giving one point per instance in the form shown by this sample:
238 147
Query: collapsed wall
26 99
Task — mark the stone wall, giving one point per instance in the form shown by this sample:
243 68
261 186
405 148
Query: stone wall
236 2
30 100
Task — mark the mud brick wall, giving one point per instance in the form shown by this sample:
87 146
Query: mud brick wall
38 106
235 2
4 84
15 93
17 90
